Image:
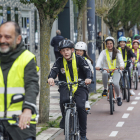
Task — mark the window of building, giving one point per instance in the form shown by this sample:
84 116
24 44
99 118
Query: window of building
16 15
8 13
1 15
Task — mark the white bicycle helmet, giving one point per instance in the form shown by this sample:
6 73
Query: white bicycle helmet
81 46
110 38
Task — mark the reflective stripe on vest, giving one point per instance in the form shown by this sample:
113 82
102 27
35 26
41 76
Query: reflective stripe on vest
111 65
137 55
122 55
15 83
75 73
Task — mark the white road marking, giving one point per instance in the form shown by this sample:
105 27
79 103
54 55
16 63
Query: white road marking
130 108
119 124
125 115
137 98
113 134
134 102
138 93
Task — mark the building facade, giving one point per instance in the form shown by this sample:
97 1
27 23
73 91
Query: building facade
28 19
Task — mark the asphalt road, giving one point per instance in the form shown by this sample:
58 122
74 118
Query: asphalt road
124 124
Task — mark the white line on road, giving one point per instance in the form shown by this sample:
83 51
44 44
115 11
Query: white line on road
134 102
113 134
130 108
137 98
125 115
119 124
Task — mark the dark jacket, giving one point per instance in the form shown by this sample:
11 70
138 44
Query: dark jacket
31 89
55 42
98 42
82 66
130 55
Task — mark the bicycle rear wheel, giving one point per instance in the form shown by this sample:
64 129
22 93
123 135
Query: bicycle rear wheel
77 131
69 125
136 81
111 99
127 88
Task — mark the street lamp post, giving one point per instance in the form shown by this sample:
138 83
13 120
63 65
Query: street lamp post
91 38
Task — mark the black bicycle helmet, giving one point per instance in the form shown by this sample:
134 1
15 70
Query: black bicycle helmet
66 43
137 37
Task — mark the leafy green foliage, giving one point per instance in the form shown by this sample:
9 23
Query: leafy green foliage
49 7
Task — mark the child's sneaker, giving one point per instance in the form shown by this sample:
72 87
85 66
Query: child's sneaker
87 106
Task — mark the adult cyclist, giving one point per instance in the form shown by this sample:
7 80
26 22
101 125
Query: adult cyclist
127 54
70 68
110 59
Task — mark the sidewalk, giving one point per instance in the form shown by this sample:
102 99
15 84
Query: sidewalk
55 108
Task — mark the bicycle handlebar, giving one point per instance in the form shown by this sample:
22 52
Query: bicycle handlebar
80 83
15 118
109 70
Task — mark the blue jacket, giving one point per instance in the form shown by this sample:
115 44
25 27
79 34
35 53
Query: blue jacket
55 41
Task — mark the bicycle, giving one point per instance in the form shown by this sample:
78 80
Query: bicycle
111 97
124 84
134 75
15 99
71 130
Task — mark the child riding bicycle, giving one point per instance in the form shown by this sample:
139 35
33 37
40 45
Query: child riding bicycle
70 68
81 49
110 59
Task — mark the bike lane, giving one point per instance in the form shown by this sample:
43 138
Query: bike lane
122 125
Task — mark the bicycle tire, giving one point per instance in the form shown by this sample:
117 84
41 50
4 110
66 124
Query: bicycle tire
111 99
136 81
77 131
122 89
127 88
69 125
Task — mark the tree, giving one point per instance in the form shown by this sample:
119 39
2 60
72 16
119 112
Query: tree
48 11
129 14
112 20
102 8
81 4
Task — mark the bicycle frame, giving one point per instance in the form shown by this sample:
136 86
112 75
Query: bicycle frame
110 82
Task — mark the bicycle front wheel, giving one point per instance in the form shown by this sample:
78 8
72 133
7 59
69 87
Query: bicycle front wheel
135 80
127 88
69 125
111 99
77 134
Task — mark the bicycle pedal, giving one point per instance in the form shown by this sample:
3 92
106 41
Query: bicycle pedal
104 95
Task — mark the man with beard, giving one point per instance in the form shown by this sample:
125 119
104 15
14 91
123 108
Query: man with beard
17 75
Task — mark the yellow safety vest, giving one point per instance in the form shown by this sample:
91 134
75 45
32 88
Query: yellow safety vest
111 63
15 85
75 73
122 55
137 55
129 45
85 58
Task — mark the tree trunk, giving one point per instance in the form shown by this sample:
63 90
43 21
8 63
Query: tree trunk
114 34
79 26
45 32
126 33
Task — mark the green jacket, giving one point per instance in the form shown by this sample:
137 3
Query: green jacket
31 90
